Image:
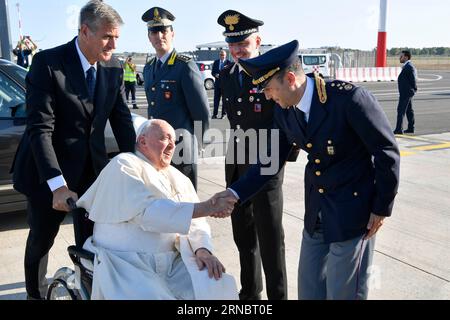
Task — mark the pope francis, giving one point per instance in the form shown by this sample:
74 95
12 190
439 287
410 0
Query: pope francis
151 239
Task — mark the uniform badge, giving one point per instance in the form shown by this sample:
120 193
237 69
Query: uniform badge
231 20
168 95
330 150
258 107
251 99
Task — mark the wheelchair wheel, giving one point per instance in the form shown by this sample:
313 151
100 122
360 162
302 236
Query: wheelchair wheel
62 286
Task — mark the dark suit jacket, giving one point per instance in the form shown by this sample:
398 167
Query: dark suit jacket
341 180
216 72
65 131
407 80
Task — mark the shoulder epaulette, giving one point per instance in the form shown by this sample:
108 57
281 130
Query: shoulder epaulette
341 86
183 58
321 88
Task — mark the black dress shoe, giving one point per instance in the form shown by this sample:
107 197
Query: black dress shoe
214 117
409 131
243 296
398 132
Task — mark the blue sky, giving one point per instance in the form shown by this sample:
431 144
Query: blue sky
345 23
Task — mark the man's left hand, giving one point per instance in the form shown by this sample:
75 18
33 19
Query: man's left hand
375 222
204 258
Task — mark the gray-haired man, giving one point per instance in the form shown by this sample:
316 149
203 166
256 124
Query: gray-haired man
72 90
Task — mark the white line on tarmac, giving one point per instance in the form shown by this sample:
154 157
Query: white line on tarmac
438 77
419 93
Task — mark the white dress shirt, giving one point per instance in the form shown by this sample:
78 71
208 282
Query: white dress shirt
305 102
164 58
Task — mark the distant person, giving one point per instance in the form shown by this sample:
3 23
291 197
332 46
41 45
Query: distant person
218 65
129 77
407 87
175 91
24 49
72 91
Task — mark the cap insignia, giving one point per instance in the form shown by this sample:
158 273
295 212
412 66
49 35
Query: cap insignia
156 16
231 21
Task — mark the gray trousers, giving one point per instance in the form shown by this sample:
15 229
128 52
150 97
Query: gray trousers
335 271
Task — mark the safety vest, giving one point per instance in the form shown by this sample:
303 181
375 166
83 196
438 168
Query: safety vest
129 75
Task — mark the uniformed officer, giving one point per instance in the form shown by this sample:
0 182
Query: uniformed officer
257 225
351 177
175 91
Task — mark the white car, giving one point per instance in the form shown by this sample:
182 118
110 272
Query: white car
205 70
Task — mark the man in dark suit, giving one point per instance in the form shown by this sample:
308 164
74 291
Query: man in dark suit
72 90
175 92
218 65
257 225
407 88
351 178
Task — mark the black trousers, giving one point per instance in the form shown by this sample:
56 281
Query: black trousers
259 236
189 170
44 223
217 96
405 107
131 87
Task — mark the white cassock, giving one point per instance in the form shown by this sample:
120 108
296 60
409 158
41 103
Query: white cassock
144 236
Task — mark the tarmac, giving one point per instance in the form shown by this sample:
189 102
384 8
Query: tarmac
412 254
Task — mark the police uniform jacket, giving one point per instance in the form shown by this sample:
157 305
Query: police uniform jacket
353 159
177 95
246 109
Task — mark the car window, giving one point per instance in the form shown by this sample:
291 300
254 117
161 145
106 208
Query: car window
12 98
20 73
314 60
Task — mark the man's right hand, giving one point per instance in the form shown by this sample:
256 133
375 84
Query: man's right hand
60 197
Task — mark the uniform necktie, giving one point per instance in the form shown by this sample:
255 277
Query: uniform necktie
90 80
239 78
157 66
301 118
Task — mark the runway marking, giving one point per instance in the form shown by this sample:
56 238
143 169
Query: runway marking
419 138
419 93
440 146
438 77
406 153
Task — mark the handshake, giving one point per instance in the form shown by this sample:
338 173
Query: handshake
218 206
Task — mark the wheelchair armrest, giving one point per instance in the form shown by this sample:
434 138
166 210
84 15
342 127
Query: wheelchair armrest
78 253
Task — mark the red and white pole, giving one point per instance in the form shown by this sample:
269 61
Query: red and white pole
382 35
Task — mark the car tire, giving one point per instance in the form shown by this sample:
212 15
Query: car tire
209 84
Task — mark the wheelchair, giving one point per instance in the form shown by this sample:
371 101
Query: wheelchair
75 284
